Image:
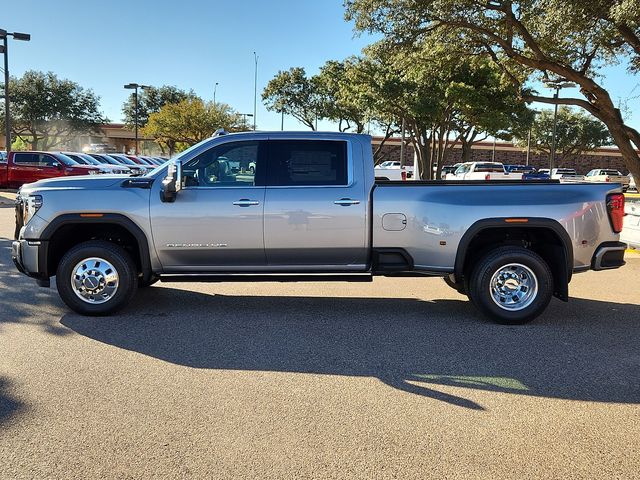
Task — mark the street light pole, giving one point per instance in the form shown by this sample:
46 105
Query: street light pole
7 115
5 50
282 121
557 85
255 90
215 88
244 117
552 158
134 87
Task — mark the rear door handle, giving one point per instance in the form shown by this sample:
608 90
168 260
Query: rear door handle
245 202
345 202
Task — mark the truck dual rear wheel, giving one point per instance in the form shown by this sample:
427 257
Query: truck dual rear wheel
511 285
96 278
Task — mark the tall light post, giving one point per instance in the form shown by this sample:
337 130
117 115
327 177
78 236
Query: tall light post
535 112
255 90
135 87
215 89
4 48
244 117
557 85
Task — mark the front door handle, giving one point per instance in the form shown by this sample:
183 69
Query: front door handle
245 202
345 202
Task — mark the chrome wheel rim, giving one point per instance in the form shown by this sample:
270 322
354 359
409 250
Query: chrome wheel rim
513 287
94 280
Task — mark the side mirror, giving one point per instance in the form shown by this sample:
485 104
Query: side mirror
172 183
57 165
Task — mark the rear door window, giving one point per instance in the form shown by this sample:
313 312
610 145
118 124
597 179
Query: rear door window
25 159
307 163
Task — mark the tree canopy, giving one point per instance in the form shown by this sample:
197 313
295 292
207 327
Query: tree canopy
151 100
293 93
568 40
47 110
178 125
577 132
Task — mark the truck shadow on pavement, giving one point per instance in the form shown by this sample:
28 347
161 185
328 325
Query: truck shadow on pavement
585 350
22 301
8 406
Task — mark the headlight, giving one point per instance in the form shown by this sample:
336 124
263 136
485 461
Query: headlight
93 172
30 205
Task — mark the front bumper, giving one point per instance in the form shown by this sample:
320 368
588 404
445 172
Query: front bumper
27 258
609 255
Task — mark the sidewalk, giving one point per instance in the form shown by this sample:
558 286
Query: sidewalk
6 197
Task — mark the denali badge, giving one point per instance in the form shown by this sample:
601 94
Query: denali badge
195 245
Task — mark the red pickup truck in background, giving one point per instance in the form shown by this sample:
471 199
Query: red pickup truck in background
27 167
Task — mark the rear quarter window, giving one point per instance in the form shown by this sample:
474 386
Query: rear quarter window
25 158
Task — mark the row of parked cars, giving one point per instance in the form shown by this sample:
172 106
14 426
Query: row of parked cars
18 168
499 171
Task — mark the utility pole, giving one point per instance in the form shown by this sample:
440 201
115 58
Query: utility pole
557 85
255 91
402 144
135 87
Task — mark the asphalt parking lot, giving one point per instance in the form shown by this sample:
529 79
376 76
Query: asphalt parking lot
400 378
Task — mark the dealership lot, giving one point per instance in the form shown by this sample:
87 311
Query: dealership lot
399 378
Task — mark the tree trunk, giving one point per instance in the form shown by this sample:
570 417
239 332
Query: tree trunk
467 153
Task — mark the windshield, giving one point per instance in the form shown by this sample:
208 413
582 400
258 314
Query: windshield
65 159
89 159
489 168
124 159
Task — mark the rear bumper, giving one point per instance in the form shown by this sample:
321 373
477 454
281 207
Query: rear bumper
609 255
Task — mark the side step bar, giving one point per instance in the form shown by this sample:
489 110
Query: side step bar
261 277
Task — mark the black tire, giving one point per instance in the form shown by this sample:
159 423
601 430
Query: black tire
117 257
147 283
480 290
457 286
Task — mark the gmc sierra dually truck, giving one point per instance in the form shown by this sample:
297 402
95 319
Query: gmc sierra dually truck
306 207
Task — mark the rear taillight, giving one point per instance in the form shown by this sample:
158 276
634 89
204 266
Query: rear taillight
404 175
615 208
607 179
487 176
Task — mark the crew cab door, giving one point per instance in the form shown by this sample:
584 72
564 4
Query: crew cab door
216 221
315 206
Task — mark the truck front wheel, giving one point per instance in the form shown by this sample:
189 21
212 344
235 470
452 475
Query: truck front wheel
96 278
511 285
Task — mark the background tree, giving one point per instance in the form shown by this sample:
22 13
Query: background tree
577 132
339 92
151 100
557 39
179 125
46 110
293 93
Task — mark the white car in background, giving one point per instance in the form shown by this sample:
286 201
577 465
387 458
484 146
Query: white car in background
608 175
631 223
482 171
566 175
396 164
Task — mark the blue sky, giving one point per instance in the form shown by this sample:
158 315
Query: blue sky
193 45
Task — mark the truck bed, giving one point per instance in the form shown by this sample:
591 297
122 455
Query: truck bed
429 218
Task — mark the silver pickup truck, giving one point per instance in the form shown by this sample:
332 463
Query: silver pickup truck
305 206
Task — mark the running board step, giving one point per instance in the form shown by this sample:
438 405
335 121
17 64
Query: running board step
251 277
